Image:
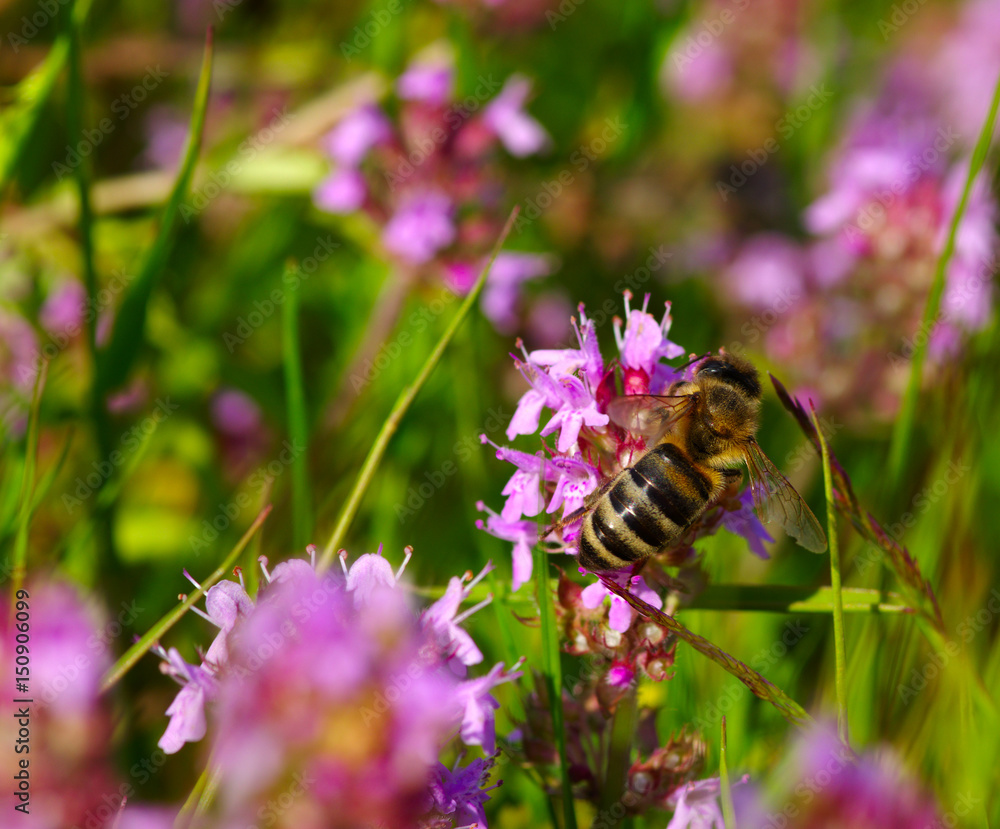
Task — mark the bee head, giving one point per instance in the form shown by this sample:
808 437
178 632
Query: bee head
731 392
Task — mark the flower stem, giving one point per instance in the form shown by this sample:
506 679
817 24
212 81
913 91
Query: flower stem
403 402
552 672
728 810
840 654
623 723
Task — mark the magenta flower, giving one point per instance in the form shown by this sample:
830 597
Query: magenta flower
354 136
64 308
696 805
421 227
621 616
744 522
458 795
503 289
343 191
524 534
333 687
521 134
427 80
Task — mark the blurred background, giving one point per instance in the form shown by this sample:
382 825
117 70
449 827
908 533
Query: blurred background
784 173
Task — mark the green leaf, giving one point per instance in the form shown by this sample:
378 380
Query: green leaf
116 359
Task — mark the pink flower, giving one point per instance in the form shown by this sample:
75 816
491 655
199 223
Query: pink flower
421 227
621 615
443 621
343 191
429 81
521 134
351 139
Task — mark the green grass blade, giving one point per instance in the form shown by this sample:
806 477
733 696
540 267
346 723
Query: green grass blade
130 321
840 653
298 423
762 688
139 649
406 397
902 432
27 494
21 117
728 810
552 675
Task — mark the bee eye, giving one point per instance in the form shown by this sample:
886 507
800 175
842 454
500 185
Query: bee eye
732 375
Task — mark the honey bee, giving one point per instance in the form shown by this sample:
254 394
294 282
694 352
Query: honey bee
697 437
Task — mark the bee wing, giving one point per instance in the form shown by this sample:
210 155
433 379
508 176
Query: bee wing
649 415
774 497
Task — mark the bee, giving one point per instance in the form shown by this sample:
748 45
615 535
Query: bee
698 436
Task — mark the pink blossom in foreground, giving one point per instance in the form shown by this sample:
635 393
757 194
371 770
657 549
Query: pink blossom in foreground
333 688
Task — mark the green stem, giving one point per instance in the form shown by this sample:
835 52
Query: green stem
728 810
298 427
552 673
838 601
623 724
26 506
403 402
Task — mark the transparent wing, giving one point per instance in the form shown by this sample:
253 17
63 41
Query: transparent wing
775 498
649 415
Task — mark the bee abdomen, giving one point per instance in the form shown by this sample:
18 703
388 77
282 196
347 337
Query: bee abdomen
649 506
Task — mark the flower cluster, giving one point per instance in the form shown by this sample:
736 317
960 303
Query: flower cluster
590 449
330 693
844 308
427 178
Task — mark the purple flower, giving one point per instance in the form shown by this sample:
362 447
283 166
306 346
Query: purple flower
421 227
63 309
575 481
187 711
372 572
478 727
460 793
696 805
644 343
767 268
428 80
343 191
521 134
524 534
441 619
578 409
235 413
744 522
621 614
503 287
363 128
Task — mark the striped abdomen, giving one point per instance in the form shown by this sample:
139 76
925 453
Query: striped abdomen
646 509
